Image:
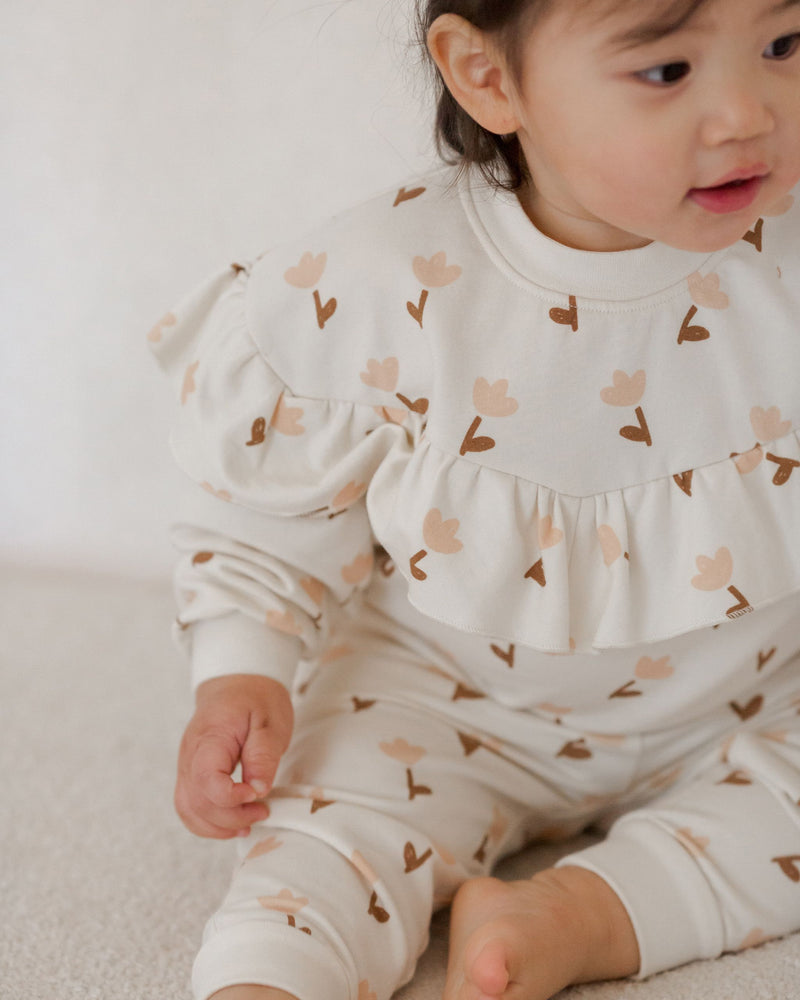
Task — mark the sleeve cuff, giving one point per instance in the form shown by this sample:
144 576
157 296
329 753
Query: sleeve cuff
237 644
672 907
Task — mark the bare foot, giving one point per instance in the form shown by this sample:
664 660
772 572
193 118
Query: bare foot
528 940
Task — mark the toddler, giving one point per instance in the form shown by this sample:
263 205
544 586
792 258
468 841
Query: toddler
496 533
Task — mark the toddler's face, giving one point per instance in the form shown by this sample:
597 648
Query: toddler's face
633 134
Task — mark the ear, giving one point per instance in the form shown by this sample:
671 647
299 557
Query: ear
474 73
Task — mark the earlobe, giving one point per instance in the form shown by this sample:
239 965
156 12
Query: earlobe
473 72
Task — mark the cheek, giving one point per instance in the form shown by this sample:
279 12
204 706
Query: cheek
631 167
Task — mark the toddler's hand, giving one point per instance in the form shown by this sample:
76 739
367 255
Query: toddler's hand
242 717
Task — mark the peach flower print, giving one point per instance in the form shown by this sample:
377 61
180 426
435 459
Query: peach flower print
382 374
705 291
439 535
628 390
157 333
715 574
431 273
286 419
767 424
307 274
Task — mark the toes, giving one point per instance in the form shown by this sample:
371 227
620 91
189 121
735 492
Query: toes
488 971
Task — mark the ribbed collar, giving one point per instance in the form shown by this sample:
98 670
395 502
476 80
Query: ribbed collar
529 257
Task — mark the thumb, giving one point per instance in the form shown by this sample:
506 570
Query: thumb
261 754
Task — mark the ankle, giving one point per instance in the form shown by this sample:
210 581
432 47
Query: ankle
597 920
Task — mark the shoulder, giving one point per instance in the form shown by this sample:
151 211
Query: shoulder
320 306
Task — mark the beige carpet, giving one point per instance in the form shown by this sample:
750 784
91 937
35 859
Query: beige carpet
102 893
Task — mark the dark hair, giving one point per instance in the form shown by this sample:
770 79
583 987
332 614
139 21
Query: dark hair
459 138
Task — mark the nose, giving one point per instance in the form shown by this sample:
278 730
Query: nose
737 111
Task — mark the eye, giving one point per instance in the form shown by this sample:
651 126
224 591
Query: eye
663 76
783 47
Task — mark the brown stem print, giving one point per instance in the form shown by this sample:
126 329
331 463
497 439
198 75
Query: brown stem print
566 317
469 743
640 433
536 572
480 854
785 468
626 691
736 778
416 310
684 481
293 923
472 443
257 432
409 194
764 658
788 866
689 332
417 406
753 707
324 311
415 790
754 236
377 911
462 691
412 859
743 605
576 749
416 572
507 656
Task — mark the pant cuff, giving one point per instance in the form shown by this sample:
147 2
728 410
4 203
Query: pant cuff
269 955
674 912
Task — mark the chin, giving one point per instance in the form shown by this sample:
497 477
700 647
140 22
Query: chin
710 242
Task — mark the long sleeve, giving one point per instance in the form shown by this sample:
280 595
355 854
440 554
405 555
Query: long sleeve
273 535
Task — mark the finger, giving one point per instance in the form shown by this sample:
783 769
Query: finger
202 816
234 819
211 775
261 755
202 828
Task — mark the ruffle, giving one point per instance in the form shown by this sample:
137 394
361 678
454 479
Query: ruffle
241 433
482 551
488 553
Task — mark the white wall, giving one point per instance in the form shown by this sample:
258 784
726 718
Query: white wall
144 143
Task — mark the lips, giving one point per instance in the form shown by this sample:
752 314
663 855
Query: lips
732 193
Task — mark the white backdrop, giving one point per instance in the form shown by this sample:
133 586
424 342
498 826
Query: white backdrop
144 144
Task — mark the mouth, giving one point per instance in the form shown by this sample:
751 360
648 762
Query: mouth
733 193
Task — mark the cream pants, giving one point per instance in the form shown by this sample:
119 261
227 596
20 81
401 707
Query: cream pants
402 781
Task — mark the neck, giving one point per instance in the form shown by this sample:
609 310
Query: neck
580 233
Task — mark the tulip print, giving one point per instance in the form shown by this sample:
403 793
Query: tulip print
439 535
432 273
401 750
768 426
307 274
627 390
715 574
490 399
706 292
